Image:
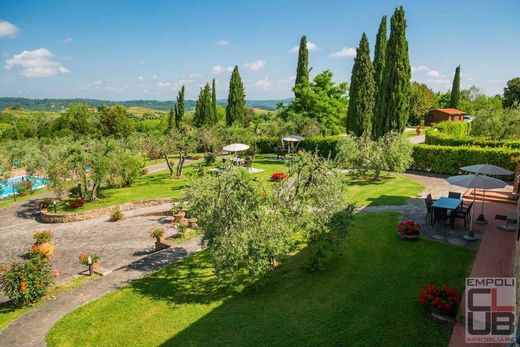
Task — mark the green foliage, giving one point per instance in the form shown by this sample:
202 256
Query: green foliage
42 236
116 215
179 108
455 89
437 138
114 121
394 102
302 68
214 107
456 129
422 100
171 119
471 100
204 113
24 187
449 160
362 92
236 106
26 282
391 153
379 70
512 92
78 119
322 101
497 124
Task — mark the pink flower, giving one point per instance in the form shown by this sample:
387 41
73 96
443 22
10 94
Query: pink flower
56 272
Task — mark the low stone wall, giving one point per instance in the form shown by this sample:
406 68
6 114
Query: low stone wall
49 217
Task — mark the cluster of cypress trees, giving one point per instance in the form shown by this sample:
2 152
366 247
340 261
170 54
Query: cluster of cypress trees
206 107
380 90
455 89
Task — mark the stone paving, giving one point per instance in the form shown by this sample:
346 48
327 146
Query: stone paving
31 328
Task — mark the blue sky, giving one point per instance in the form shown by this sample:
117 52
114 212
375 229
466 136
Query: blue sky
121 50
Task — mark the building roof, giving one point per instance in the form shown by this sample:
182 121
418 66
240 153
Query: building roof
452 111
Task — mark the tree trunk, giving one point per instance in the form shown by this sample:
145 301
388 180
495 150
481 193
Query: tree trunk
93 195
169 164
180 164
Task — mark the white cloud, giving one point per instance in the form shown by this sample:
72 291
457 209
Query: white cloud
161 84
97 83
140 78
257 65
155 77
7 30
66 40
344 52
311 46
433 73
288 80
263 84
219 69
222 43
35 63
430 76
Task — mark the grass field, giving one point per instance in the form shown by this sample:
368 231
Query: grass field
391 190
11 201
367 297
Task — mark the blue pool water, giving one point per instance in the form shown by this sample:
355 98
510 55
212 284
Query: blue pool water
6 187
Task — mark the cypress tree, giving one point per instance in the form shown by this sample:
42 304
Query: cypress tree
236 107
179 108
302 69
455 89
171 119
203 112
214 103
379 68
395 102
362 89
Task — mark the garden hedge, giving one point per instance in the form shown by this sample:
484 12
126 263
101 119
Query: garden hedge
437 138
449 159
453 128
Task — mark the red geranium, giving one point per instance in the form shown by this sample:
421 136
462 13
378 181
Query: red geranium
278 176
409 227
441 298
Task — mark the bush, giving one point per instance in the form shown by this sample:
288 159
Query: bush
436 138
45 203
83 258
209 158
116 215
27 282
42 236
449 159
453 128
24 187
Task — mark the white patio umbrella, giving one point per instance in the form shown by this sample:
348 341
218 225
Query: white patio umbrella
476 182
293 141
486 169
236 147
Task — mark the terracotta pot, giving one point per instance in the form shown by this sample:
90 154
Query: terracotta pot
408 237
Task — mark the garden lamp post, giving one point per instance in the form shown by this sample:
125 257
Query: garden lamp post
54 204
89 262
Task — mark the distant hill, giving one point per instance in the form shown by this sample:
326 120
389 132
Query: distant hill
57 105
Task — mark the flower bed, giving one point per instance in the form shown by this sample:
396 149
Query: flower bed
440 300
278 176
409 229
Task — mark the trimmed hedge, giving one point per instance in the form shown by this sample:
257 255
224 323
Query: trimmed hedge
325 145
437 138
449 159
453 128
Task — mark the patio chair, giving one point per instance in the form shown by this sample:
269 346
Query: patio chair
428 202
454 195
463 212
248 163
441 215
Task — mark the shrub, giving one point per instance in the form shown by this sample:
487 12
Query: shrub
116 215
27 282
449 159
278 176
42 236
42 244
409 228
83 258
453 128
45 203
24 187
157 233
436 138
209 158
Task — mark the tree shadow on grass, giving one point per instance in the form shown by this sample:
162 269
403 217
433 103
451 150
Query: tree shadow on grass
388 200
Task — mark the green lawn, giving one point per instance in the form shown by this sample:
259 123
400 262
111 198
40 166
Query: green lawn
10 200
8 313
368 297
389 190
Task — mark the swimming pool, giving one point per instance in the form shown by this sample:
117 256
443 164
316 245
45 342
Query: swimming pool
7 186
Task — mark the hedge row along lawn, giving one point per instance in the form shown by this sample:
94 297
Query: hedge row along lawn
368 296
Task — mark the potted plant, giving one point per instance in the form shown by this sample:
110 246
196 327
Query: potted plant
83 259
158 234
442 301
43 243
409 230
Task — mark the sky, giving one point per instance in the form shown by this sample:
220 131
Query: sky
125 50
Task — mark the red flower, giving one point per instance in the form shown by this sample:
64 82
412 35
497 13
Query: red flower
23 286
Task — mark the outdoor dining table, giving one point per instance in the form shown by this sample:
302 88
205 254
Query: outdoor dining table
237 161
447 203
